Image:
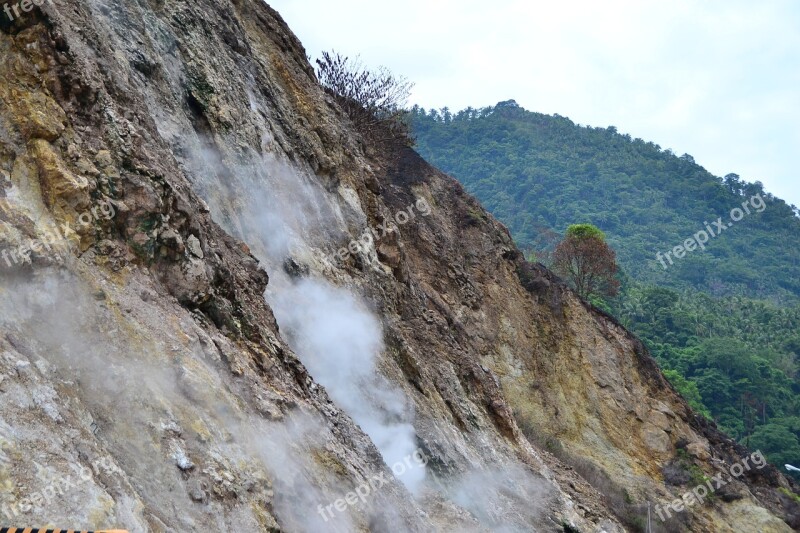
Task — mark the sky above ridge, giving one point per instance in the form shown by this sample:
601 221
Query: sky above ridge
719 80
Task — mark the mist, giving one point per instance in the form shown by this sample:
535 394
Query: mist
283 213
139 394
338 340
505 498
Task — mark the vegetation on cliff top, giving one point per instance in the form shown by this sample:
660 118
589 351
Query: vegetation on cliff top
373 99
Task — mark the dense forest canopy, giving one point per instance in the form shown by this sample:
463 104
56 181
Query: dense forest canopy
722 317
540 173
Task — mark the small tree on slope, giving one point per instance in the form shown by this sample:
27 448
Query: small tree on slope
586 261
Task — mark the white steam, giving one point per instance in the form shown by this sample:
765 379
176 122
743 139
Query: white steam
284 213
510 499
140 396
338 341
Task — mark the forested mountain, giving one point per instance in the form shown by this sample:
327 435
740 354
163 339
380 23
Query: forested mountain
539 173
723 319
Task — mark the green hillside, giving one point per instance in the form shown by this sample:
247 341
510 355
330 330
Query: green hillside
722 319
538 173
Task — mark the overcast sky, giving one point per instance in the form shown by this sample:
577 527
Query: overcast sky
719 80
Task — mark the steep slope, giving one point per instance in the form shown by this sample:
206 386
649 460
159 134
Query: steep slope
199 353
722 319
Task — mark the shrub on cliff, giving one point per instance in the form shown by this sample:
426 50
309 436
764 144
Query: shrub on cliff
374 100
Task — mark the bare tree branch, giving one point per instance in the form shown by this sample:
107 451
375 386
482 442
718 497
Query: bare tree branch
374 100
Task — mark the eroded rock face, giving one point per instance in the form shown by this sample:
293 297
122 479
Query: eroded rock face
144 343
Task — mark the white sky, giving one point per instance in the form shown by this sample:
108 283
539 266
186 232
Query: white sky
717 79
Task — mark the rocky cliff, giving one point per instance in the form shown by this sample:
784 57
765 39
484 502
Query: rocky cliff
222 310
